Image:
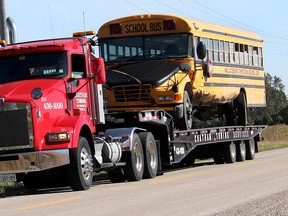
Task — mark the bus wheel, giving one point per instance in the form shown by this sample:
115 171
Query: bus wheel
230 152
150 154
134 159
229 114
185 123
250 149
240 105
80 170
240 151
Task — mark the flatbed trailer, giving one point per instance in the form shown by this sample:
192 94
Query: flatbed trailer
223 144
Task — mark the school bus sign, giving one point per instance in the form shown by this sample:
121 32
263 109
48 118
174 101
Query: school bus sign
141 27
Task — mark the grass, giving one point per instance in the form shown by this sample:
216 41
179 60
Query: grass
275 137
6 187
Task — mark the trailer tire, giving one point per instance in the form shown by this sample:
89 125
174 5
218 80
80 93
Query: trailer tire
134 159
116 175
150 154
80 169
240 151
185 123
250 149
230 152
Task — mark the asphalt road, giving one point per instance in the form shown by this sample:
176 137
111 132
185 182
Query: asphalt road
258 187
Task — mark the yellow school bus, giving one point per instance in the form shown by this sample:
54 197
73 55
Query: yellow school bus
183 66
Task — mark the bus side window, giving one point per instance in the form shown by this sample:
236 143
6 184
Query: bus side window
78 66
255 56
232 52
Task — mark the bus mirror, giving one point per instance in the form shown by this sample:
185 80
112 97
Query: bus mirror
201 50
98 70
185 67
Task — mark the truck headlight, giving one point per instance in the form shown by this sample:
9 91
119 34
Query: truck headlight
58 136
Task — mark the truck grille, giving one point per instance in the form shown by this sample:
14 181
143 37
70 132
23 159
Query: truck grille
132 93
16 131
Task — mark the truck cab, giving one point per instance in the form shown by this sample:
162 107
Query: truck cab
48 98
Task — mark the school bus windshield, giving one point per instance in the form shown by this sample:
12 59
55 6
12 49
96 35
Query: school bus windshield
146 48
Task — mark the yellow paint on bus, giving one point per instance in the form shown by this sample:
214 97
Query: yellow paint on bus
152 61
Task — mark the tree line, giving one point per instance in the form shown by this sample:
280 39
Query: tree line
276 110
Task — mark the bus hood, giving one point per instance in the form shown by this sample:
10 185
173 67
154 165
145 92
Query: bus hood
154 73
21 90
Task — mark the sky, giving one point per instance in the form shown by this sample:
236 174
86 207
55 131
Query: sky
43 19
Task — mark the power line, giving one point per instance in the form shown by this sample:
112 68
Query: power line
137 6
181 12
243 24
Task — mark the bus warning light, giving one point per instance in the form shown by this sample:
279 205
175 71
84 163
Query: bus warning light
169 25
115 29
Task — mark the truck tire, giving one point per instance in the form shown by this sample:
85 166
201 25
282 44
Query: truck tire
134 159
250 149
150 154
240 105
230 152
240 151
80 169
116 175
185 123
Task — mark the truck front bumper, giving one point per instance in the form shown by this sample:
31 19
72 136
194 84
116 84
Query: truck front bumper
33 161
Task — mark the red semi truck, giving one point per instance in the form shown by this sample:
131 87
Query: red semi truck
55 130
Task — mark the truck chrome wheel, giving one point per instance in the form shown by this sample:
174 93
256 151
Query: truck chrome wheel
150 154
80 169
86 164
138 155
134 159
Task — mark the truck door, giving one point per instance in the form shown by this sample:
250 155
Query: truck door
80 85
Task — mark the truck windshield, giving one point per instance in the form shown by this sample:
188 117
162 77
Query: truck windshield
32 66
146 47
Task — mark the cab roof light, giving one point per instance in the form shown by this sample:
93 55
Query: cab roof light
115 29
169 25
83 33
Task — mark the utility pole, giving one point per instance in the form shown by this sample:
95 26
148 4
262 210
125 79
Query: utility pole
3 20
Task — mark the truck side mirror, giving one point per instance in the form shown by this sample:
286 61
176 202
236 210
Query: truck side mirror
201 50
98 70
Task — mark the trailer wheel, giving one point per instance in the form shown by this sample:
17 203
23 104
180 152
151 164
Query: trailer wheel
116 175
240 151
230 152
250 149
134 159
80 170
150 154
185 123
